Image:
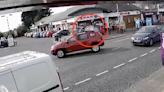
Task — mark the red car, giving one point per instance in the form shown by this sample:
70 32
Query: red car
50 33
69 45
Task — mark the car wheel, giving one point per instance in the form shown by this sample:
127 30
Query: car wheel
151 42
60 54
96 48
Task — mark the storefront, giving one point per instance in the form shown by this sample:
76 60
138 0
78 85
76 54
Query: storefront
96 20
129 18
152 15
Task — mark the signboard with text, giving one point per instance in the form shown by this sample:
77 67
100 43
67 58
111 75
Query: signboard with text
89 17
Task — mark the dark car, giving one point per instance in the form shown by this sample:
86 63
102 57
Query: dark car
147 35
4 42
61 33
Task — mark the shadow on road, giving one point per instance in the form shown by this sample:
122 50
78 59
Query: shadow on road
102 51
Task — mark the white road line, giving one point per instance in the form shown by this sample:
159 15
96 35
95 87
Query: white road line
116 48
66 88
152 50
132 59
102 73
159 47
83 81
143 55
119 65
121 40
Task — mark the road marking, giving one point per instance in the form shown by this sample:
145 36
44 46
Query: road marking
159 47
121 40
143 55
116 48
102 73
119 65
152 50
83 81
132 59
66 88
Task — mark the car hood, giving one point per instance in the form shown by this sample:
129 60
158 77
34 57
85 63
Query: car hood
58 43
141 35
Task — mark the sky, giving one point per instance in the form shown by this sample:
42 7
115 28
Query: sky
15 19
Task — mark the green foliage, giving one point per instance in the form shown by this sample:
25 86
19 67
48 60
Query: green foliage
30 17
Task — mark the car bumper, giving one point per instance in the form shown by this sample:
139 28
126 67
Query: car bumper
143 42
53 52
102 44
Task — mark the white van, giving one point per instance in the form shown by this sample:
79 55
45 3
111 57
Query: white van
29 71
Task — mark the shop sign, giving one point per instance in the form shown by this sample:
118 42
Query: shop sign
150 13
124 13
64 22
89 17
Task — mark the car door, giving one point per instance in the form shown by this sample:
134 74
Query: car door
72 45
83 38
156 34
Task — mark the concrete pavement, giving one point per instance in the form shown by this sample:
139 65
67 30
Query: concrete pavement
153 83
115 68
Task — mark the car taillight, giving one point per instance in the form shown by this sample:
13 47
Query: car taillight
60 81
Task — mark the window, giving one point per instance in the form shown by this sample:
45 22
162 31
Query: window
32 77
71 40
92 34
83 36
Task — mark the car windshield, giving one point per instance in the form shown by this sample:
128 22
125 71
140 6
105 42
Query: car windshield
116 48
145 30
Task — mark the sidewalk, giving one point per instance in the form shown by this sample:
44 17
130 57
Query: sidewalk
153 83
114 34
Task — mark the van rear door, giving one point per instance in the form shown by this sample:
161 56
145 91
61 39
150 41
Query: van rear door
7 83
38 77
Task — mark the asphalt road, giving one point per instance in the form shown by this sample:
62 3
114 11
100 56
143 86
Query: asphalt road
115 68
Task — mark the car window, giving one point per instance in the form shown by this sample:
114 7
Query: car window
83 36
92 34
155 29
145 30
72 39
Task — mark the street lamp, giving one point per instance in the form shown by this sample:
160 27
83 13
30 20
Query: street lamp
7 20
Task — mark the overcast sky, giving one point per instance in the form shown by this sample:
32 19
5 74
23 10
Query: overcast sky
15 19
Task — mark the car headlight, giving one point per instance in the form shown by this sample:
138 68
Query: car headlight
145 38
132 38
52 47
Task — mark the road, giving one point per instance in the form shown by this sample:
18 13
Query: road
115 68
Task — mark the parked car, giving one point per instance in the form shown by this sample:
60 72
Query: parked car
69 45
50 33
35 34
4 42
147 35
23 72
45 33
64 32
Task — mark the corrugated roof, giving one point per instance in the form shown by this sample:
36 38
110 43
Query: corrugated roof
47 20
122 7
64 15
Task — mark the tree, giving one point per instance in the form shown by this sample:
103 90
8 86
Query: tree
30 17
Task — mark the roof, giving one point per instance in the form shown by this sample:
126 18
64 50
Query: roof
122 7
20 57
48 19
65 15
